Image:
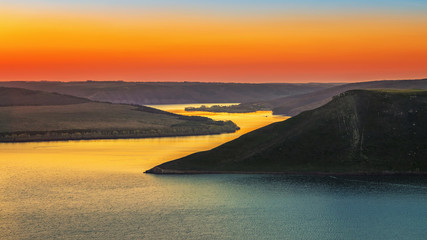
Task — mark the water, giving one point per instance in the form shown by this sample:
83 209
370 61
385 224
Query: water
96 190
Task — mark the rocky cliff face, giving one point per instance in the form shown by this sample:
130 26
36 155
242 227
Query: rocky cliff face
359 131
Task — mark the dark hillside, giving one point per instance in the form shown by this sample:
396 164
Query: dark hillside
27 115
360 131
293 105
24 97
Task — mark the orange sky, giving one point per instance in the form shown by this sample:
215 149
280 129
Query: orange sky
66 46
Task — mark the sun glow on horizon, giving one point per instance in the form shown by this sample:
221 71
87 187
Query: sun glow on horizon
203 46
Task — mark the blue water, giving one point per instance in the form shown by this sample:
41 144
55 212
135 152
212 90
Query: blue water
142 206
96 190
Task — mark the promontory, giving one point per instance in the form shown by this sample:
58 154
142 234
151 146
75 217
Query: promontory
357 132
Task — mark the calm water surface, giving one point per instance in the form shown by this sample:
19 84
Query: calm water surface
96 190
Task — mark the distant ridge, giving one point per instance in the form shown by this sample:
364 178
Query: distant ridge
293 105
25 97
143 93
358 132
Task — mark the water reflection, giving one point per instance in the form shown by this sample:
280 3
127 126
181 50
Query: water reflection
128 154
96 190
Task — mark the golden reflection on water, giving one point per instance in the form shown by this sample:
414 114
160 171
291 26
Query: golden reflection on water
45 184
124 155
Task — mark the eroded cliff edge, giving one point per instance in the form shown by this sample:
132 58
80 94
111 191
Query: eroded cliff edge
359 131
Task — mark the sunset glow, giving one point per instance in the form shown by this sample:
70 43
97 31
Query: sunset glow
135 42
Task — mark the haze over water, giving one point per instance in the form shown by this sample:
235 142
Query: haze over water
96 190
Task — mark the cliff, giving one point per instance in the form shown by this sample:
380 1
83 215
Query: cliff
359 131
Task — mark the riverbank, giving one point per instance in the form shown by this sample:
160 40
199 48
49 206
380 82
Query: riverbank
158 170
114 134
101 121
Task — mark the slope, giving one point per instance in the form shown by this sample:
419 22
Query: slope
293 105
360 131
24 97
40 116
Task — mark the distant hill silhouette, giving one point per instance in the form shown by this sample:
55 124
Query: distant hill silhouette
144 93
25 97
359 131
293 105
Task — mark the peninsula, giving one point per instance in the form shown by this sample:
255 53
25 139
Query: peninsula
27 115
357 132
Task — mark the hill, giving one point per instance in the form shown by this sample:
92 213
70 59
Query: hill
359 131
25 97
293 105
145 93
41 116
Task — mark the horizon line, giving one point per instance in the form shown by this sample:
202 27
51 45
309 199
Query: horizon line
224 82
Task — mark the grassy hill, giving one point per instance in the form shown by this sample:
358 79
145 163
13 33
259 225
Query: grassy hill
359 131
39 116
293 105
24 97
147 93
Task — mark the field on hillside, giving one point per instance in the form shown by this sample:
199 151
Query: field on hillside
99 120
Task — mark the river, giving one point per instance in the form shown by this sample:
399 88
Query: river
97 190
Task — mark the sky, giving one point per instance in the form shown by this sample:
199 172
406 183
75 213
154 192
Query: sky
213 41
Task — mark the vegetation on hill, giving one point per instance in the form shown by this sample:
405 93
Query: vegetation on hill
61 119
359 131
25 97
227 109
294 105
297 103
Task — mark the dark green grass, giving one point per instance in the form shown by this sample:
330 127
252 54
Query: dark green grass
359 131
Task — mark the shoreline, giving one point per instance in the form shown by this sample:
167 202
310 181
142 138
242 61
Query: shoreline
113 138
160 171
